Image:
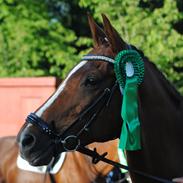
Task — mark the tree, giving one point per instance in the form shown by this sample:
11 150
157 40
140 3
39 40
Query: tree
32 42
48 37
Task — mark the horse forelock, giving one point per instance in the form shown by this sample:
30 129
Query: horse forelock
103 50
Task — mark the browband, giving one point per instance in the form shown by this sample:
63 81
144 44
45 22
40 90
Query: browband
101 57
98 58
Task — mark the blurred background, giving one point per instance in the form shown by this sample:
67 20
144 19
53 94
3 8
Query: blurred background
41 40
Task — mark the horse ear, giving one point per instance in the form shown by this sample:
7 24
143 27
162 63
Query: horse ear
116 42
98 34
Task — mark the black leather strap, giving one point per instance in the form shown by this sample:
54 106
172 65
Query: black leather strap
97 157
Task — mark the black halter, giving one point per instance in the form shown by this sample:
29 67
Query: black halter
72 142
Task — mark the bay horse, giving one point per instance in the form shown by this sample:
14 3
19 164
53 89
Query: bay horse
76 168
86 108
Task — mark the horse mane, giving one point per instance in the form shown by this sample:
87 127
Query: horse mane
171 90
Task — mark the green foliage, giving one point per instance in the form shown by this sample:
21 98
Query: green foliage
150 26
47 37
32 43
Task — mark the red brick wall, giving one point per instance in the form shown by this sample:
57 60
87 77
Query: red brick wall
19 97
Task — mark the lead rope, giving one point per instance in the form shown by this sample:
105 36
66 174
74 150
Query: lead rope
96 157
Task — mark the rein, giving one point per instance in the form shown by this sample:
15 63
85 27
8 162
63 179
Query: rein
96 157
72 142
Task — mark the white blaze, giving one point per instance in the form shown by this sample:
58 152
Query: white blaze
59 90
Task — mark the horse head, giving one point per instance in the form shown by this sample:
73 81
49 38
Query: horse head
84 109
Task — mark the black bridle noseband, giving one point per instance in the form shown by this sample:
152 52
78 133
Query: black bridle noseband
73 142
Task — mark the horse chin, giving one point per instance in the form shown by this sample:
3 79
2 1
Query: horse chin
39 158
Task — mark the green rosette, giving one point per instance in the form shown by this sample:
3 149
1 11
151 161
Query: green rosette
130 133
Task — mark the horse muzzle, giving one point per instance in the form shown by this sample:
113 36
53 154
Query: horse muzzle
34 147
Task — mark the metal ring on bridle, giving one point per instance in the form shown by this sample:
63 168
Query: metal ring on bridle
74 145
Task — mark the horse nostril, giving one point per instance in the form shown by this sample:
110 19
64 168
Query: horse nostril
28 140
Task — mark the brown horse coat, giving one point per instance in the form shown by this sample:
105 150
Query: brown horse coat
76 168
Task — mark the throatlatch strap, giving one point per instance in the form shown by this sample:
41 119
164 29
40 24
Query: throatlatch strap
129 70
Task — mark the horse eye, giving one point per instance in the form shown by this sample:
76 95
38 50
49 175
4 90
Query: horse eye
90 81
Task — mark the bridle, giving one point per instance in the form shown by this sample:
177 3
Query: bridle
73 142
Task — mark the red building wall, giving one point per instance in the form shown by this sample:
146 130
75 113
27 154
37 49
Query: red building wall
19 97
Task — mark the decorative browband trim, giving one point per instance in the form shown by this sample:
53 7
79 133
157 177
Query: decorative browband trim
98 58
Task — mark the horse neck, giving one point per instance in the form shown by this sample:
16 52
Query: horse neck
79 168
156 93
160 113
160 107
